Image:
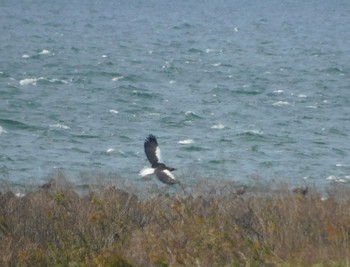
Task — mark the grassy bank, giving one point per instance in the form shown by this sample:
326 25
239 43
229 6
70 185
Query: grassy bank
55 226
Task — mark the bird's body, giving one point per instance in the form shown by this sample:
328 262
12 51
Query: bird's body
162 171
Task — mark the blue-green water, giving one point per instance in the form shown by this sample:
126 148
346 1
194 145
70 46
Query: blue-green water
232 89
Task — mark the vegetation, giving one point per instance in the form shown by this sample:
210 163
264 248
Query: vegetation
214 225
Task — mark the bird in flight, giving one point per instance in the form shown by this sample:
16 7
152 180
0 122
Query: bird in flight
162 171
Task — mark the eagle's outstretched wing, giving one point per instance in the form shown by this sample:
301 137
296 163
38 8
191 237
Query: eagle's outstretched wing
166 176
151 149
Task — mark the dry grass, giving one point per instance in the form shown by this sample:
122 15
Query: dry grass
214 226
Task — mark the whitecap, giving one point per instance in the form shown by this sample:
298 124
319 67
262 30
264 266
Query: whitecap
335 179
314 107
281 103
104 56
254 132
33 81
209 50
302 96
44 52
235 29
113 111
117 78
331 177
189 112
279 91
28 81
339 165
53 80
2 130
172 81
216 64
218 126
60 126
110 150
186 142
25 56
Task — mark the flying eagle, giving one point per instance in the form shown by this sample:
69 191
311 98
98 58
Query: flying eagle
162 171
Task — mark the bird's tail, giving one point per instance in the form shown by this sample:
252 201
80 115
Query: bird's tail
146 171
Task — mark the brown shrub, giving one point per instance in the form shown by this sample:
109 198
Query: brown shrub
220 227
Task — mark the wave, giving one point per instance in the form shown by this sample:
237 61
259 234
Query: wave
13 124
2 130
194 148
223 89
252 135
218 126
86 136
60 126
186 142
117 78
29 81
44 52
195 51
110 150
281 104
192 115
33 81
339 179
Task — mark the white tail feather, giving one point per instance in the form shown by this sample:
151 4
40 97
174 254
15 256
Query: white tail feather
146 171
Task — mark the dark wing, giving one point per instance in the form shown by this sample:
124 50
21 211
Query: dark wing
166 176
151 149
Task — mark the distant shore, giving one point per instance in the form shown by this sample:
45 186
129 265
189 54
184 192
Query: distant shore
212 225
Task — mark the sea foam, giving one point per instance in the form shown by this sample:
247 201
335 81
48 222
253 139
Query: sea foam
60 126
33 81
2 130
336 179
44 52
281 103
218 126
117 78
29 81
110 150
186 142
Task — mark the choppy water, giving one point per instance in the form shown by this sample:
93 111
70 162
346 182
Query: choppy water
231 89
